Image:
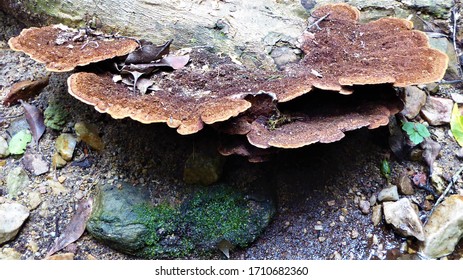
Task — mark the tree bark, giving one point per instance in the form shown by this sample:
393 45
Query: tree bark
244 29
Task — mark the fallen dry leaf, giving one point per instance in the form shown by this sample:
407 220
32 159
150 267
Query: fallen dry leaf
25 90
75 228
34 118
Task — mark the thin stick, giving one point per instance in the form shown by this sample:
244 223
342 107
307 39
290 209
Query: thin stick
317 22
455 177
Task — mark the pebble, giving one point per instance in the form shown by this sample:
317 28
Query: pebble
342 218
389 194
88 133
9 254
16 181
414 99
437 110
60 257
402 216
32 245
318 227
372 200
61 179
354 234
321 239
57 161
4 152
34 200
12 216
331 203
56 187
405 185
376 214
65 145
444 228
35 164
79 195
364 206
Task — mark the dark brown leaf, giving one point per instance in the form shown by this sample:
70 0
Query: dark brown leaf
148 53
75 228
25 90
34 118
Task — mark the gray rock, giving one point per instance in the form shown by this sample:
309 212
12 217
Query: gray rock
126 220
405 185
65 145
4 152
444 228
364 206
403 217
35 164
438 8
414 99
16 181
12 216
388 194
437 110
445 46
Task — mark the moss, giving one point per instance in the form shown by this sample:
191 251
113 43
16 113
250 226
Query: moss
55 116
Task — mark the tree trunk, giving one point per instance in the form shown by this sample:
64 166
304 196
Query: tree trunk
244 29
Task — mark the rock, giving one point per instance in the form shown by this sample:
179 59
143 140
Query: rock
55 116
16 181
414 99
89 134
57 188
354 234
444 228
57 161
388 194
124 218
61 257
457 97
12 216
364 206
445 46
284 55
4 152
437 110
9 254
203 168
35 164
34 200
405 185
376 214
438 8
403 217
65 145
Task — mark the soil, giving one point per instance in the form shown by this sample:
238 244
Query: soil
317 188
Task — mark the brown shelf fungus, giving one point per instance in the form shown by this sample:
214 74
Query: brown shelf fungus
61 48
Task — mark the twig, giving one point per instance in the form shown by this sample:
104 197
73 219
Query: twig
450 82
455 177
317 22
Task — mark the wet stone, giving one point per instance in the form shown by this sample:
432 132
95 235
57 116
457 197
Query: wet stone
388 194
12 217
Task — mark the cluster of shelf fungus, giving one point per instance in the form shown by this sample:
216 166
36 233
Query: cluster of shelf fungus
345 81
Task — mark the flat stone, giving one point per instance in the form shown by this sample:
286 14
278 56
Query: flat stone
35 164
388 194
12 217
65 145
405 185
414 100
16 181
34 200
437 110
444 228
4 152
403 217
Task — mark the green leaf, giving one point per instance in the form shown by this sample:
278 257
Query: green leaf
19 141
456 125
385 168
416 131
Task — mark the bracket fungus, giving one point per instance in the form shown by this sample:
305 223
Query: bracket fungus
61 48
340 54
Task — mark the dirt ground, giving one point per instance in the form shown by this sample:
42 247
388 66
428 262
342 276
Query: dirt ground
317 188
